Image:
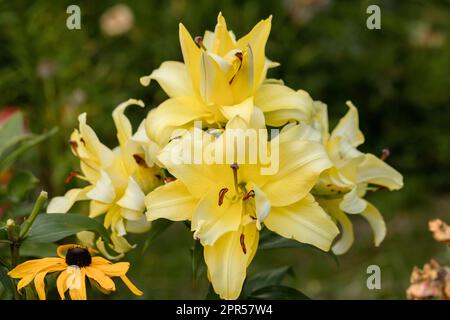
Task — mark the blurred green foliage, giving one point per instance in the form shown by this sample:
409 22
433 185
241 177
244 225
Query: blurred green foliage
398 77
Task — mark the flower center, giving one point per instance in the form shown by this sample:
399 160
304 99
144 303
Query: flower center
79 257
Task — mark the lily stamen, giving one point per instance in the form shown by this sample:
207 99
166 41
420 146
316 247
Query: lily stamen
235 168
199 42
250 194
385 153
242 240
222 193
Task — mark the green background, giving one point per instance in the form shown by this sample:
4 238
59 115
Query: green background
398 77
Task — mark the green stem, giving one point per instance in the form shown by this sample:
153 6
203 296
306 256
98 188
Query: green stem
34 213
14 247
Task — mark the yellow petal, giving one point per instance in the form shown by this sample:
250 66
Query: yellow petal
173 78
257 39
61 284
171 201
78 289
39 280
214 87
97 208
376 221
243 82
227 262
191 56
131 286
262 203
222 38
352 202
244 110
64 203
348 127
133 198
275 97
104 281
113 270
103 190
172 113
304 221
345 241
300 164
34 266
376 171
93 144
211 220
138 226
123 125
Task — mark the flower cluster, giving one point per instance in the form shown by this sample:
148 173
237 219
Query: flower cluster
217 96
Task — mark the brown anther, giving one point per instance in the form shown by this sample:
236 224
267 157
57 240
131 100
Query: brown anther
70 177
234 166
140 160
73 144
169 179
242 240
239 55
222 193
199 42
385 154
250 194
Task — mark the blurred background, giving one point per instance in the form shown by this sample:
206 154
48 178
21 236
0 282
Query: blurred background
398 77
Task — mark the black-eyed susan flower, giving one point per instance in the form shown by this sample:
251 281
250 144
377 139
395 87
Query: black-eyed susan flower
74 267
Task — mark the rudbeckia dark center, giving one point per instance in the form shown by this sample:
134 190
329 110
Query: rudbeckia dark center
79 257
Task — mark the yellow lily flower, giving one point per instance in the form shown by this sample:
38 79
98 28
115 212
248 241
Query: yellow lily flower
75 266
341 188
118 179
228 203
221 77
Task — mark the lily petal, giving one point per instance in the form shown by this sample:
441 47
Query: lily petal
376 221
171 201
376 171
228 258
304 221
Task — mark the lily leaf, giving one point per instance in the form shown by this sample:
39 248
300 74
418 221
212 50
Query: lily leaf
38 250
198 263
264 279
278 292
157 228
12 132
56 226
20 184
6 280
271 240
7 160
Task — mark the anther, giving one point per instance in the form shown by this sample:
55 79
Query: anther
242 240
250 194
71 175
385 153
199 42
222 193
140 160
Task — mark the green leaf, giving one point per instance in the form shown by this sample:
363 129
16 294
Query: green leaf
198 263
56 226
8 160
6 280
278 292
21 183
4 263
271 240
12 132
30 293
264 279
157 228
38 250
